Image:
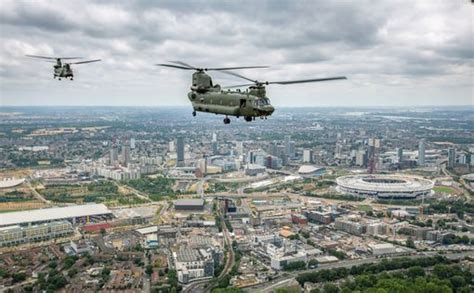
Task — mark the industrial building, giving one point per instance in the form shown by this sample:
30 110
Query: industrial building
15 235
385 186
189 204
79 214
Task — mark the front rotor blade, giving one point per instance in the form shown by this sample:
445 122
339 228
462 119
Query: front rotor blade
238 75
88 61
42 57
305 80
239 67
175 66
184 64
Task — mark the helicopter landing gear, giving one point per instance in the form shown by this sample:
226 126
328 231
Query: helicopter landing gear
194 113
248 118
226 120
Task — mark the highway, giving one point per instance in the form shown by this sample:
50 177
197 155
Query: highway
288 276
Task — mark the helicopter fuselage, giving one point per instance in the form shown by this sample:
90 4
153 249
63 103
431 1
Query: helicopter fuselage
63 71
209 98
233 103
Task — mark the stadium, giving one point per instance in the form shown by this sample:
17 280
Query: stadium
385 186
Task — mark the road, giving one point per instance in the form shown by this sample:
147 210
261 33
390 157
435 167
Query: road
134 191
37 194
281 281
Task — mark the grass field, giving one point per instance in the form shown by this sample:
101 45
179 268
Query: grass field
444 189
365 208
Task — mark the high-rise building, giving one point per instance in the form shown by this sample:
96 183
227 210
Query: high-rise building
180 152
214 137
307 156
125 155
400 155
132 143
171 147
361 158
421 152
291 150
287 144
113 156
451 157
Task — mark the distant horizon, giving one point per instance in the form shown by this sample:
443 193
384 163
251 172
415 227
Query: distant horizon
393 53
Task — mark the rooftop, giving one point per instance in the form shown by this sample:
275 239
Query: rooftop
51 214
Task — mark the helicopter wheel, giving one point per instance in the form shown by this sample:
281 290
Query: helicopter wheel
226 120
194 113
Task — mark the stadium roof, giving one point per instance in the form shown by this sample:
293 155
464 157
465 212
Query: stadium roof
52 214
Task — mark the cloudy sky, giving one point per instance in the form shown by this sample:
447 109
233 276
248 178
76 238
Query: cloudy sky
393 52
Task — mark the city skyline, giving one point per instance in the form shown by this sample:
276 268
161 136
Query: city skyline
393 53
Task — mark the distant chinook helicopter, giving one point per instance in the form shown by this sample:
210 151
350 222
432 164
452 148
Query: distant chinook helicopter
63 69
209 98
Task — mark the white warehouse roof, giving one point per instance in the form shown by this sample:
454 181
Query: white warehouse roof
52 214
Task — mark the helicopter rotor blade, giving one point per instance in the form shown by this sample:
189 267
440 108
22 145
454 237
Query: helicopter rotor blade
232 68
175 66
184 64
53 58
305 80
238 75
87 61
284 82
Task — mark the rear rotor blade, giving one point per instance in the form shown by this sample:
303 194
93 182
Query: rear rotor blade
305 80
175 66
88 61
184 64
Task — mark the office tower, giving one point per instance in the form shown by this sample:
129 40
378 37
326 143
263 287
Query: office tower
171 147
451 157
338 151
125 155
113 156
361 158
132 143
291 150
400 155
180 152
287 144
307 156
421 152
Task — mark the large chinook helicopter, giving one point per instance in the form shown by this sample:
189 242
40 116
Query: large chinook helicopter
63 70
251 103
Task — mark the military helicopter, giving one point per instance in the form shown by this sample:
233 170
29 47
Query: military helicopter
63 69
251 103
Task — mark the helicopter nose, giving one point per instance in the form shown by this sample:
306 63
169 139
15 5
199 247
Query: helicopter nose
269 109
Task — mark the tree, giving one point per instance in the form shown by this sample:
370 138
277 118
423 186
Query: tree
149 270
410 243
103 231
330 288
416 271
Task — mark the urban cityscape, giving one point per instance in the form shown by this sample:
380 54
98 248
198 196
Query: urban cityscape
237 146
154 200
